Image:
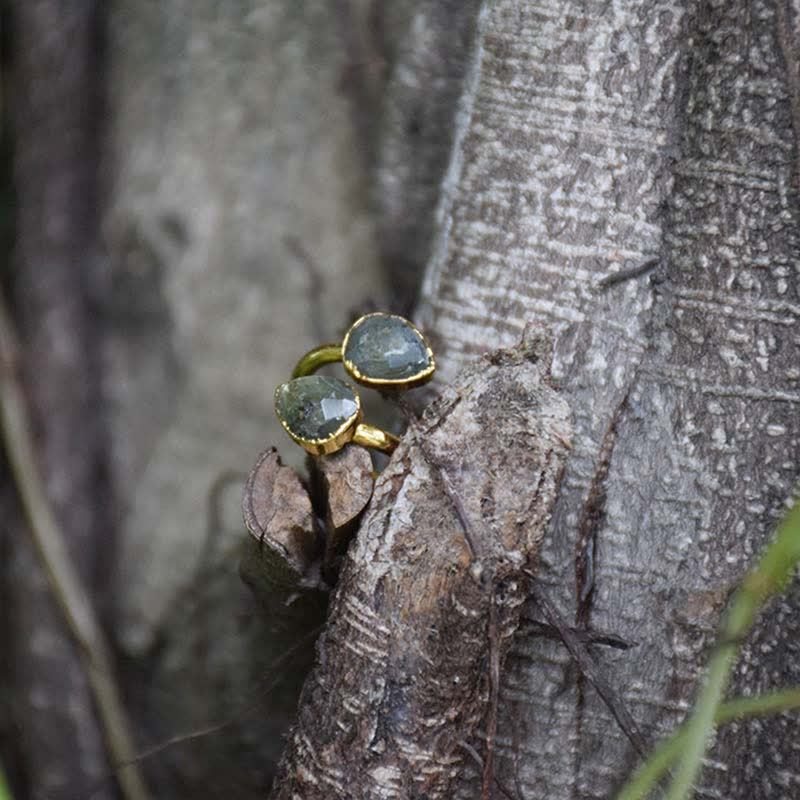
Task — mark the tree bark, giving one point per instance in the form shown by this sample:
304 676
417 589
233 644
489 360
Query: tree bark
594 139
54 121
429 598
624 174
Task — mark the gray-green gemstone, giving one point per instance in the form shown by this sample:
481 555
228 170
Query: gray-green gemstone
315 407
383 347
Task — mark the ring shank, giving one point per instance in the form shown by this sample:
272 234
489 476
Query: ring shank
370 436
365 435
314 359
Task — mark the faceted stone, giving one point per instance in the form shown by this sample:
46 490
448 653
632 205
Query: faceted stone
314 407
383 347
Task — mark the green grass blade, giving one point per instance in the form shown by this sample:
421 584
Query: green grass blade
771 576
669 750
5 792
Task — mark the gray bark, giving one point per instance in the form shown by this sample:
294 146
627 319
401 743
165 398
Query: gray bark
429 597
593 139
239 234
270 169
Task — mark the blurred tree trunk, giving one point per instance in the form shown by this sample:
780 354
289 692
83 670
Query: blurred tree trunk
54 98
268 169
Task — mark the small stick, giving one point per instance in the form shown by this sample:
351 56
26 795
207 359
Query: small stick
68 591
213 728
585 636
589 669
628 274
494 696
475 755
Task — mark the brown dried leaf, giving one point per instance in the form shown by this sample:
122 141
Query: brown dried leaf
347 483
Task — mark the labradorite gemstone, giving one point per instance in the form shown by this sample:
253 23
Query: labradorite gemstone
314 407
383 347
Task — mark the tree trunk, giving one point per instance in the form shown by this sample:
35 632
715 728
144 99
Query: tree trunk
627 176
624 175
595 139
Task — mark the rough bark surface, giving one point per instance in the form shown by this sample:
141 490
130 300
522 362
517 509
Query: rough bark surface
578 141
596 137
427 48
431 590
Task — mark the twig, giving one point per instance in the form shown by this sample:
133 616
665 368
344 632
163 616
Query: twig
212 728
68 591
628 274
494 698
585 636
592 518
589 669
475 755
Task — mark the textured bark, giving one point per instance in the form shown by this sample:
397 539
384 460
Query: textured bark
577 141
239 236
426 46
594 137
431 590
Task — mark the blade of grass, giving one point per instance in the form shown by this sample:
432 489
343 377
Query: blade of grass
5 792
760 706
770 577
702 723
670 749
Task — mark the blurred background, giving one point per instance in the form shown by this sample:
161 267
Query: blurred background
193 194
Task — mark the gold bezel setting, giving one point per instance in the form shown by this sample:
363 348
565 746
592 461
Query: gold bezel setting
334 441
353 429
399 384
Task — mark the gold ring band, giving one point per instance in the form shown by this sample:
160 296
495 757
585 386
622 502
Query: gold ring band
370 436
323 414
379 350
314 359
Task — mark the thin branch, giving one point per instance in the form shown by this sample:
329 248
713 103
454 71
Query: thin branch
475 756
494 697
623 275
68 591
588 668
586 636
216 727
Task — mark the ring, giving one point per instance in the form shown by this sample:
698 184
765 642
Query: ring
380 350
323 414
